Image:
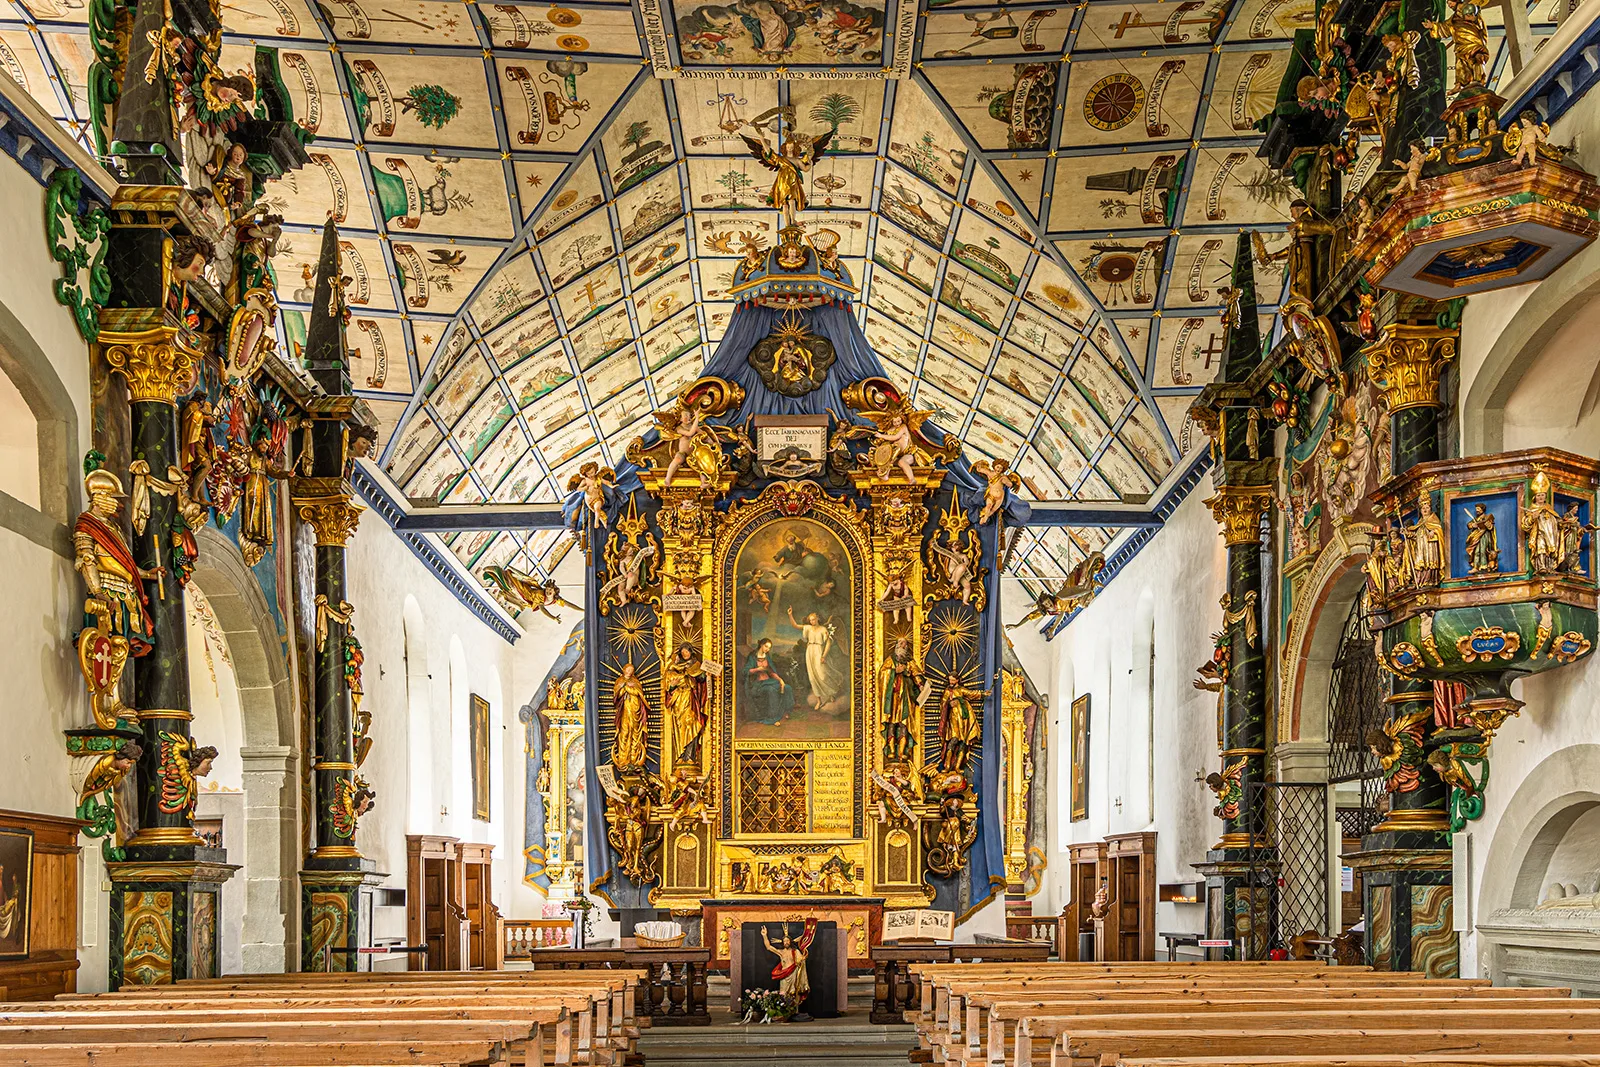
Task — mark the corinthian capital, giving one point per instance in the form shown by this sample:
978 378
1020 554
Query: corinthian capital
156 365
1238 510
1405 362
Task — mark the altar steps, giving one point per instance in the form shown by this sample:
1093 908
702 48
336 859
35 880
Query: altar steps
844 1042
849 1041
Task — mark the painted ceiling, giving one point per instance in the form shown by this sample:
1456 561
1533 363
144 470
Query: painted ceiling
541 208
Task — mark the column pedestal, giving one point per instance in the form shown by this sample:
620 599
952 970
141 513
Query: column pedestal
164 917
336 913
1239 901
1408 901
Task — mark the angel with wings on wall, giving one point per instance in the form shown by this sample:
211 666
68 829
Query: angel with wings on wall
795 155
998 477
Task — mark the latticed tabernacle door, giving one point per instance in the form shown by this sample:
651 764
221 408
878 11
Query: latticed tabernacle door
772 793
1356 688
1288 864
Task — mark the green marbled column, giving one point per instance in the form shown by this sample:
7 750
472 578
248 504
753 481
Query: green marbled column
160 678
1244 707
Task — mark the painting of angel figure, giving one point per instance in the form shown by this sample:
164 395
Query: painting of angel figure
794 645
750 32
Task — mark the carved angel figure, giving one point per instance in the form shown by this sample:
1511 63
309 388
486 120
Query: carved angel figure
795 155
999 477
694 444
1228 790
526 591
1532 133
1397 744
633 570
181 764
592 479
958 570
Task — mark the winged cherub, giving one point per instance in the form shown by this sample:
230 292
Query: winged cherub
999 477
795 156
592 479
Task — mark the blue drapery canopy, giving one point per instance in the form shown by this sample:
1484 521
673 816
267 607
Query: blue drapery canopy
855 360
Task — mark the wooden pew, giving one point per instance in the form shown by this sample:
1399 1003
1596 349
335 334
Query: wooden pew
495 1020
1103 1048
1011 1029
230 1054
1435 1059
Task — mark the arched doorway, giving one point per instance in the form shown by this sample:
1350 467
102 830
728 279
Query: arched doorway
266 744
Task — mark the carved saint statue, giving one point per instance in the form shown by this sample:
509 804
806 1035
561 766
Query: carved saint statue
104 559
629 816
631 711
1483 544
256 493
790 972
1542 527
960 723
904 690
1464 29
686 696
1426 543
1572 530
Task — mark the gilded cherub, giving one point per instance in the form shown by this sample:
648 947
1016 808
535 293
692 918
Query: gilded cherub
180 765
998 477
1228 789
592 479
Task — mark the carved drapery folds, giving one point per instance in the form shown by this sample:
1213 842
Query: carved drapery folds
1406 362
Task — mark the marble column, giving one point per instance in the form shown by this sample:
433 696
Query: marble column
335 922
1240 894
1405 862
166 903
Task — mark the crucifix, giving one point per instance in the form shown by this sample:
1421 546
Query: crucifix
1131 20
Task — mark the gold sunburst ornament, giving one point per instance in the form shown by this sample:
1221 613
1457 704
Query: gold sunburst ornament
954 631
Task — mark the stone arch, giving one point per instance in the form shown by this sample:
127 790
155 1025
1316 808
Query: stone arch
28 366
1529 330
1322 602
267 707
1519 944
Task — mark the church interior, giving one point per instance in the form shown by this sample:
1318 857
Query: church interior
806 518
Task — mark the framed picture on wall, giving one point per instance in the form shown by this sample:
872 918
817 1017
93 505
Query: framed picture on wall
478 737
16 891
1080 758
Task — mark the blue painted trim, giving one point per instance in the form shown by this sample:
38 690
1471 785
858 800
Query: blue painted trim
391 511
36 150
1549 96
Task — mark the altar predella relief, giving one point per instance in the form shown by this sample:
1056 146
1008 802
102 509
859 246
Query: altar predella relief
795 647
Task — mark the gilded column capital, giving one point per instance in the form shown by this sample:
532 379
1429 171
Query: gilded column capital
1238 509
334 516
1405 362
157 366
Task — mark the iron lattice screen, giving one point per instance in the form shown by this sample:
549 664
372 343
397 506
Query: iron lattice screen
772 793
1356 691
1288 864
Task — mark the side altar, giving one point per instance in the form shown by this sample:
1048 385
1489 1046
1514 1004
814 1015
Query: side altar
793 662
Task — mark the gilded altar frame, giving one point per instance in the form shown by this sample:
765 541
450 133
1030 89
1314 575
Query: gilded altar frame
703 859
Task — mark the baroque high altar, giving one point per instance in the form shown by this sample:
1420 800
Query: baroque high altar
793 659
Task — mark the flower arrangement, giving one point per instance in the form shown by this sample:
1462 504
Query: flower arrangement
768 1006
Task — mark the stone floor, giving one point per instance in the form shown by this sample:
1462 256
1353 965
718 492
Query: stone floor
847 1041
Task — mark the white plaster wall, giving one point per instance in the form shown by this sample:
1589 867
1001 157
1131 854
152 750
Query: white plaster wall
1174 583
1547 328
43 595
420 759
